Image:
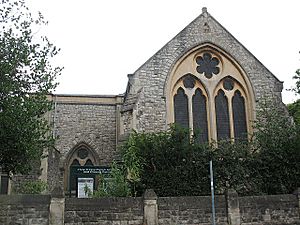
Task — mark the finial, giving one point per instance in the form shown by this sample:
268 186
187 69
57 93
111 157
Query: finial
204 10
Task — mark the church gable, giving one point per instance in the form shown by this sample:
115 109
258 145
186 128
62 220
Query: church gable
154 81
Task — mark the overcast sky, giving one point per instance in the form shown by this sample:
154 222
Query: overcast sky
103 41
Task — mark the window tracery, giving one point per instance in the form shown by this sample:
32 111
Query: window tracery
208 65
190 106
211 95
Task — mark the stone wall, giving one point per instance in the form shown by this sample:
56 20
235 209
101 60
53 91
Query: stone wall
93 124
88 120
24 209
276 209
150 210
191 210
108 211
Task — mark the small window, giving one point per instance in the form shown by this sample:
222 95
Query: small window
4 184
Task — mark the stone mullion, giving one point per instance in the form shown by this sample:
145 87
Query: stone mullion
212 124
189 94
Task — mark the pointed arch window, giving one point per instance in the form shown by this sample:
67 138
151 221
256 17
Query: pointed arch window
181 108
222 116
213 98
190 107
200 116
230 108
239 116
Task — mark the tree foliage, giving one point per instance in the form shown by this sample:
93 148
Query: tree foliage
294 108
32 187
234 165
172 164
277 140
169 162
294 111
297 78
26 76
115 186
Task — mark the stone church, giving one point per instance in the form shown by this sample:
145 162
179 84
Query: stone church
203 79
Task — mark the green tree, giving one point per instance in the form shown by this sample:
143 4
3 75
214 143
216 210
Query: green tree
278 151
294 111
297 78
26 76
294 108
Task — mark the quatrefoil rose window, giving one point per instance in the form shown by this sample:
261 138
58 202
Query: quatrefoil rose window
208 65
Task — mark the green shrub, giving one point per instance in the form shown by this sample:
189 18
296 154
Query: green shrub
277 141
115 186
168 162
32 187
173 164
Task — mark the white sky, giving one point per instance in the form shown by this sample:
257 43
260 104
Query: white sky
102 41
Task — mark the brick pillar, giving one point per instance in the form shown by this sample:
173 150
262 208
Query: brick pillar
57 207
150 208
233 209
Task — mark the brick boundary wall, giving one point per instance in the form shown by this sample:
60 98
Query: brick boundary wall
231 209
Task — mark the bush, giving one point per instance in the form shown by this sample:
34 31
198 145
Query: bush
168 162
278 145
115 186
234 167
173 164
32 187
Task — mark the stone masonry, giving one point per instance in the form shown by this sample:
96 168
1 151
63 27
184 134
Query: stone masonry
150 210
81 119
149 81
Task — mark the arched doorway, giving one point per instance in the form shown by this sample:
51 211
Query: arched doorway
81 155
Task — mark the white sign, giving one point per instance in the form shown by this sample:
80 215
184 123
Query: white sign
85 187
